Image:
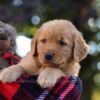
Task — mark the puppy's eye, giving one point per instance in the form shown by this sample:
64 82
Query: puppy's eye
61 42
43 40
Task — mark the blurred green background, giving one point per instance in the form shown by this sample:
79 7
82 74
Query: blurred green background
28 15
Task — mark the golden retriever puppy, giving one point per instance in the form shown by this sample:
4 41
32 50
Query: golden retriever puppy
56 50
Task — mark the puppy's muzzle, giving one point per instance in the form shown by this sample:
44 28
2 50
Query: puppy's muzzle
49 56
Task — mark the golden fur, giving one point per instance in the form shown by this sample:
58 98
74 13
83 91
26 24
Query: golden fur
64 41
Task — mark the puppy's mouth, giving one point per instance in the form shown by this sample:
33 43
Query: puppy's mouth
52 64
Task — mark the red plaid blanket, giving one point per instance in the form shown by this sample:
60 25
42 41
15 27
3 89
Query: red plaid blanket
26 88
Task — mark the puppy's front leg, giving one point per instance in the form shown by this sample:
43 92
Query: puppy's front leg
49 76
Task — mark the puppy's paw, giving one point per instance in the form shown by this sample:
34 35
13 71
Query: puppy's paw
10 74
48 77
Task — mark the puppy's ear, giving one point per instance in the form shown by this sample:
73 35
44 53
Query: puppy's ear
34 43
81 49
34 47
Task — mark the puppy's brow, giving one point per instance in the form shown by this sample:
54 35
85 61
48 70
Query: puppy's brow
42 37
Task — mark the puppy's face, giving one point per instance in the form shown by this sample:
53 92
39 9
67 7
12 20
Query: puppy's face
55 44
54 49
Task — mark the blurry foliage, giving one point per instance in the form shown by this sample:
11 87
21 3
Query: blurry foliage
96 95
83 13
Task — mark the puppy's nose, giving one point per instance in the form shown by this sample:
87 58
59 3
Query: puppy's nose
49 56
3 37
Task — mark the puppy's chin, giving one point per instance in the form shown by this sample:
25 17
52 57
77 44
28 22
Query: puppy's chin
54 65
50 64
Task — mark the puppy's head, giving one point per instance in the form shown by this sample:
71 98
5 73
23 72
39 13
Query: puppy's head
58 43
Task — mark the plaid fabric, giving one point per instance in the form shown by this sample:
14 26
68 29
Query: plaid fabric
26 88
11 59
7 59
